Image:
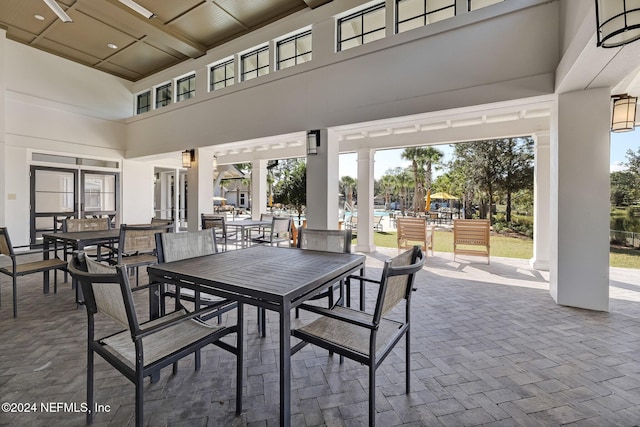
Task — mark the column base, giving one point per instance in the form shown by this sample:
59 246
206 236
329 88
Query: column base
365 248
539 264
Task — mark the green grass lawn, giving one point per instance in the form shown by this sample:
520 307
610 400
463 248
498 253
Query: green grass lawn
510 247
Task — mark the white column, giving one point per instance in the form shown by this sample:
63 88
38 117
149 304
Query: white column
322 183
200 190
3 153
258 188
365 200
541 194
579 258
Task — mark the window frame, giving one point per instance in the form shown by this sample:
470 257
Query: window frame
423 15
222 64
361 13
294 38
259 67
169 99
191 78
148 106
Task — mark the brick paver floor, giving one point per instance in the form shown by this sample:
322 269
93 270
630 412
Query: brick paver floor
489 348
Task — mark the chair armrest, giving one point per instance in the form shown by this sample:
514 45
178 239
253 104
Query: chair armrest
332 314
187 316
364 279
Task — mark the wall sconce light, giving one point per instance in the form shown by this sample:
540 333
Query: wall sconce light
188 156
215 162
618 22
313 142
623 116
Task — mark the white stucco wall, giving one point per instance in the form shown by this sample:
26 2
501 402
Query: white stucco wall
427 69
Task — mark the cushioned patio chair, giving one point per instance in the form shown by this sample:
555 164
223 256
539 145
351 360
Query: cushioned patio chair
369 338
16 269
177 246
140 350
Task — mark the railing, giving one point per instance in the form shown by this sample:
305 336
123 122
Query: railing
627 238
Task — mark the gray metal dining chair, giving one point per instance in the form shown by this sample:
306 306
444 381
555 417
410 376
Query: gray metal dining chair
337 241
139 350
280 232
219 224
137 246
177 246
368 338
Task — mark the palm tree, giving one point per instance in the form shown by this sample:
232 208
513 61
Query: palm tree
347 184
415 154
430 159
386 184
402 184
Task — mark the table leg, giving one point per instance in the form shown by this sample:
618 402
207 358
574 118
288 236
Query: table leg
45 274
285 365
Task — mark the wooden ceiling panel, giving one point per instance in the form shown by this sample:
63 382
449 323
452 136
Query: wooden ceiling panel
67 52
89 36
125 73
166 11
208 24
256 13
143 59
181 29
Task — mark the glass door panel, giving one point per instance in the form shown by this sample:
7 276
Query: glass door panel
53 198
99 194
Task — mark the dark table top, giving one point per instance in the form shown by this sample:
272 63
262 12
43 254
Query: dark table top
84 236
260 273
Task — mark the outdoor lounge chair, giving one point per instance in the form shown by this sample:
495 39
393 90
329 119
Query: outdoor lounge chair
363 337
140 350
16 269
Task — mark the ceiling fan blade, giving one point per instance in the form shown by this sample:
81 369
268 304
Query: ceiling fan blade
55 7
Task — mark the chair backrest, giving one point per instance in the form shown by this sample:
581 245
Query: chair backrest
338 241
214 221
176 246
5 242
411 229
397 280
280 226
266 217
105 289
161 221
85 224
139 238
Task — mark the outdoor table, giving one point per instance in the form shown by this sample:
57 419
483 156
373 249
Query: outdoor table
274 278
78 240
244 227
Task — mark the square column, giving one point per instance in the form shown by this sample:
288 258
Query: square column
541 203
200 188
322 183
258 188
365 200
579 258
3 153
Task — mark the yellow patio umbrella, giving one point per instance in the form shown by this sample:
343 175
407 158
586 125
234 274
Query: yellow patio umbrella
427 206
442 196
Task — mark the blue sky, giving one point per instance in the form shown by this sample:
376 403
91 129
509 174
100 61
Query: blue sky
389 159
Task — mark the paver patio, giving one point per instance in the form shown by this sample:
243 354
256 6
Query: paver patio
489 347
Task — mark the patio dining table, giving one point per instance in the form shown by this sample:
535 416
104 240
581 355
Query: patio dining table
244 227
274 278
77 240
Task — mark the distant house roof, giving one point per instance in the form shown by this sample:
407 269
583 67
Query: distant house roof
228 172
